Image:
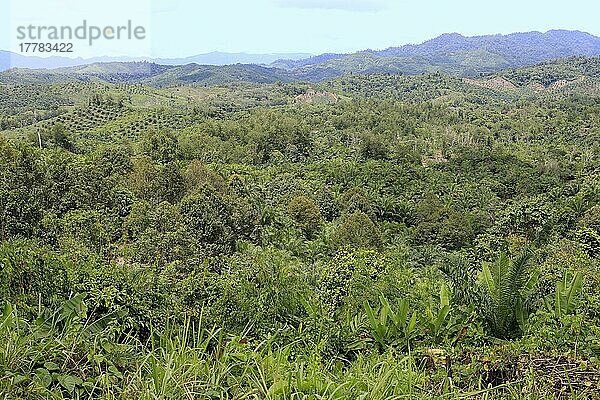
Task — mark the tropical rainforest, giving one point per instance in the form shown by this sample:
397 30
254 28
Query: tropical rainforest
370 236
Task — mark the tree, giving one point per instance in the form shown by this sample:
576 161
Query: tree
356 199
208 217
61 137
373 148
23 190
142 178
162 147
170 184
358 231
306 214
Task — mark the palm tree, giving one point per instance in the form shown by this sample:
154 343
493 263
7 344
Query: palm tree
508 289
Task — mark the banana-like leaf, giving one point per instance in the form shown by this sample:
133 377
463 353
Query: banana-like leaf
374 323
558 301
101 324
72 307
388 310
565 299
570 298
520 313
403 310
530 285
411 325
441 317
66 312
7 317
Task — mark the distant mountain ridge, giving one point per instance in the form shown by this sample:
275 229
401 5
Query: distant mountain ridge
539 46
148 73
456 54
294 64
220 58
13 60
452 54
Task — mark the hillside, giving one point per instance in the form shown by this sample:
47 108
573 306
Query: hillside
550 72
112 72
194 74
558 79
451 54
214 90
516 48
169 232
178 97
149 74
456 54
221 58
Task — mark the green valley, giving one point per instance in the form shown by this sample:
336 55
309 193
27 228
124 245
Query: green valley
244 231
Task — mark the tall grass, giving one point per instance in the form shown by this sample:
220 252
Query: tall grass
59 356
69 354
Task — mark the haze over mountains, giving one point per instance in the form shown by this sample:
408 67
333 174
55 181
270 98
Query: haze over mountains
453 54
14 60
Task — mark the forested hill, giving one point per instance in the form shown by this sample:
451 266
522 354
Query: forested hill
454 53
516 48
555 80
74 100
372 236
451 54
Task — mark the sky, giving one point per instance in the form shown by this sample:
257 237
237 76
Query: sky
179 28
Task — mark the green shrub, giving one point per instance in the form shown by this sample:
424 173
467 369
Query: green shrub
260 289
142 178
22 192
144 293
591 218
208 217
356 199
358 231
373 147
349 278
170 184
306 214
96 231
162 147
32 275
590 240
